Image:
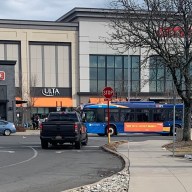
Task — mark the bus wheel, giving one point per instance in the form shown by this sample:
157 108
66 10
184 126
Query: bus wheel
111 130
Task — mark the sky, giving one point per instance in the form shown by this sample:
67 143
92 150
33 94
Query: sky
44 10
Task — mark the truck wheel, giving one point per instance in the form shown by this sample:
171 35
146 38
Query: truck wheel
78 144
44 144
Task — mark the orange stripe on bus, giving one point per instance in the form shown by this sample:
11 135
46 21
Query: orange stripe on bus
143 127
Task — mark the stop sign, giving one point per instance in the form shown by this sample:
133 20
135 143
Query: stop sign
108 92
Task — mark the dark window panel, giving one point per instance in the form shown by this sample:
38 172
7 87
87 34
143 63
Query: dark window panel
110 84
135 86
118 74
93 73
93 85
135 62
101 85
101 74
93 61
101 61
110 74
135 75
125 71
118 62
110 62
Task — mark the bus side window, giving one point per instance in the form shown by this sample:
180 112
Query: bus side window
145 117
142 117
157 117
90 116
127 117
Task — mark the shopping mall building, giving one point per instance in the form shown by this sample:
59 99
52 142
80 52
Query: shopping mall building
61 64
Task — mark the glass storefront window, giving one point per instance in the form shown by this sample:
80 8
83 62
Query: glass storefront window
93 73
110 74
160 78
101 61
110 61
118 62
112 70
93 61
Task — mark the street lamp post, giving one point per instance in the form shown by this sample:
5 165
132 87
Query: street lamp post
128 77
174 102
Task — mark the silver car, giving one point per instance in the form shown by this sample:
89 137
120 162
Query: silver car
6 128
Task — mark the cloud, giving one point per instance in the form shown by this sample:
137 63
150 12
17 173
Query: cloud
44 9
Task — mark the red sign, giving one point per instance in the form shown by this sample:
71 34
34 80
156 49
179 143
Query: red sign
2 75
175 32
108 92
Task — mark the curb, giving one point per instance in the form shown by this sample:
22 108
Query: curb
126 163
28 132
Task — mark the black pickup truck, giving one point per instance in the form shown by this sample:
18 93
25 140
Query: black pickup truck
63 127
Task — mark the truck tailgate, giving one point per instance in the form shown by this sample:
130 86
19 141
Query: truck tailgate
58 128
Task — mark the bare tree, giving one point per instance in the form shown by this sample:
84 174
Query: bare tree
29 96
32 92
163 28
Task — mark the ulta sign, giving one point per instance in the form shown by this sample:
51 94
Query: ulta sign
50 92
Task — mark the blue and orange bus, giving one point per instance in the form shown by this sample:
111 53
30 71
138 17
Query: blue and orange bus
132 117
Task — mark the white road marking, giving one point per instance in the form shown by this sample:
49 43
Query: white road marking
59 151
92 146
7 151
35 153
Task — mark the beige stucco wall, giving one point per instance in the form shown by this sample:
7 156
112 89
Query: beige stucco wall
27 35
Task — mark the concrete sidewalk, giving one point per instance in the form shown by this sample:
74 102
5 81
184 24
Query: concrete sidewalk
153 169
28 132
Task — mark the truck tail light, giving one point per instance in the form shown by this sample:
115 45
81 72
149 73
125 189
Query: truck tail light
41 127
76 128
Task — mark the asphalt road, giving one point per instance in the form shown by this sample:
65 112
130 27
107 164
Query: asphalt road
25 167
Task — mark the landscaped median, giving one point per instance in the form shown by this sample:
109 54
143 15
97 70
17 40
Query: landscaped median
180 148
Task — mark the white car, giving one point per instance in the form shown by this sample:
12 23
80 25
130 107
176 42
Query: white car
6 128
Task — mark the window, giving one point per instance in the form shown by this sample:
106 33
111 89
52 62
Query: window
112 70
142 115
90 116
114 115
159 115
50 62
160 79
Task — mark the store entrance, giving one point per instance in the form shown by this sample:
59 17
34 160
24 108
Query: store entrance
3 114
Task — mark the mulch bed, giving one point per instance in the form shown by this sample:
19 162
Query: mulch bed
20 129
113 145
181 147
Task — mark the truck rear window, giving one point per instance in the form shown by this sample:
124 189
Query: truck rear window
63 117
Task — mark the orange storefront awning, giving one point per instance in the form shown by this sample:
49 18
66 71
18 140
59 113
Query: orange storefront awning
19 101
47 102
52 102
96 100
